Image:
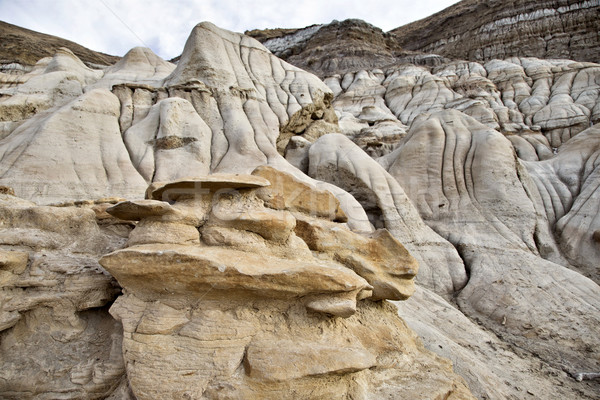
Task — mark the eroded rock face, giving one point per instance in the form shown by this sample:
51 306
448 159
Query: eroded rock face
484 209
57 338
474 30
542 102
240 310
485 175
339 47
222 109
500 214
335 159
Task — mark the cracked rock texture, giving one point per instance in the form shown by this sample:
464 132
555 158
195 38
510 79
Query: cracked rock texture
283 214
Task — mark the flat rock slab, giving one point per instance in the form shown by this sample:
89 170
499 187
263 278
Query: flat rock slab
200 185
196 270
270 224
135 210
279 360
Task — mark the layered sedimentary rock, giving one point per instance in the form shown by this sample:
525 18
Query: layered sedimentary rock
339 47
233 99
281 215
265 302
225 278
493 197
538 104
499 213
57 338
476 30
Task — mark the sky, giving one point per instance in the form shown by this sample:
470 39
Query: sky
116 26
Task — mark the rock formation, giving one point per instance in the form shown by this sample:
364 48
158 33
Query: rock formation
468 30
537 104
255 223
339 47
484 30
261 287
57 339
226 277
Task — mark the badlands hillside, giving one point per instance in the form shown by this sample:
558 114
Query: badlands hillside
483 30
22 48
331 214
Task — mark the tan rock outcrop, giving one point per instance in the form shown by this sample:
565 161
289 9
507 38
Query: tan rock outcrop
251 319
285 192
58 339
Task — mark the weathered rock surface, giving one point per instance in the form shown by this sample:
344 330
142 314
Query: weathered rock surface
483 208
511 375
475 193
544 102
475 30
221 109
568 194
56 336
236 317
339 47
335 159
285 192
485 174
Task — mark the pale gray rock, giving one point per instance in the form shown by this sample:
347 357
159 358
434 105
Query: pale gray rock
140 66
334 158
473 192
229 74
449 333
54 82
526 199
568 193
222 109
44 161
558 98
171 142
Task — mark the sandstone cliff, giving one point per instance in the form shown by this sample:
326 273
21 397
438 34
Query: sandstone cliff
229 285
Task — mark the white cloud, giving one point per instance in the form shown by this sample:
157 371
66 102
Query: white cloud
115 26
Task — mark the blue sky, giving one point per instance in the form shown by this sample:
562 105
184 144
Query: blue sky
115 26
